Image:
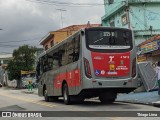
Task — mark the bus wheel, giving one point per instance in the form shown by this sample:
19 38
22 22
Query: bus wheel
46 97
66 96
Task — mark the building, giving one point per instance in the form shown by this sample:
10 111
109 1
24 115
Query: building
150 50
4 59
55 37
140 15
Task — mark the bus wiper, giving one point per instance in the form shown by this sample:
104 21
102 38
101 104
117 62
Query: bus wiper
98 40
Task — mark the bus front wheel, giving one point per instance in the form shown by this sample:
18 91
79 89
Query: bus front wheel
66 96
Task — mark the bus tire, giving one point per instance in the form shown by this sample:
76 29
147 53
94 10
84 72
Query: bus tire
66 96
46 97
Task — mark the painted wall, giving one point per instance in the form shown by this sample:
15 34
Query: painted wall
58 37
144 17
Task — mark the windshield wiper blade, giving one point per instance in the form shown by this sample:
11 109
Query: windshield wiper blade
98 40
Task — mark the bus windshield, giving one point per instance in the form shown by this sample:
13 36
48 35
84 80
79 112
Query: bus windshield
109 39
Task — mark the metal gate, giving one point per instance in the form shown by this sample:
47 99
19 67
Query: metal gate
148 75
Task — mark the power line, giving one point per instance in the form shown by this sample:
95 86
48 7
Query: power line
70 4
5 53
65 3
22 40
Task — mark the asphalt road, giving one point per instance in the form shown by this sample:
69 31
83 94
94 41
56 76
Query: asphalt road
16 100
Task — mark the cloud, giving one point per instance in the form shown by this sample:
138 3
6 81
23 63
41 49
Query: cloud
24 20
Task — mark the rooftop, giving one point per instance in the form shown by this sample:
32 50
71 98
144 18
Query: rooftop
154 38
6 56
69 28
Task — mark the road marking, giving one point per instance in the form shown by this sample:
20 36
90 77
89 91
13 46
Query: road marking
29 100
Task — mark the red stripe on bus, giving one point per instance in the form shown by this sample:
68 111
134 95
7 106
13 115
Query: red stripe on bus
72 78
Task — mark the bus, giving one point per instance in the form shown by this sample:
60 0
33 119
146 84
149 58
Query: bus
93 62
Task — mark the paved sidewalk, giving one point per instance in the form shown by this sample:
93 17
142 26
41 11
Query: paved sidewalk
34 91
148 98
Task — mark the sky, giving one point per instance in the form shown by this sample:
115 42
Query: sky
28 21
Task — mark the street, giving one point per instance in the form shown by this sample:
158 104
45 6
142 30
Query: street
17 100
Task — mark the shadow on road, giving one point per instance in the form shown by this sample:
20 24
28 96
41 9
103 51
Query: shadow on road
96 103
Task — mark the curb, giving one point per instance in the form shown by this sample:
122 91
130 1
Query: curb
155 104
28 92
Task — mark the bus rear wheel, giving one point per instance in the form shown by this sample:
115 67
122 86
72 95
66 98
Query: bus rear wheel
66 96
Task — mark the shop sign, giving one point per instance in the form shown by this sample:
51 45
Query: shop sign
141 58
152 46
158 45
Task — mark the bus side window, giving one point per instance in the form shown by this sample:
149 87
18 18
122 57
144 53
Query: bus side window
70 51
45 64
76 48
50 62
64 55
55 60
38 69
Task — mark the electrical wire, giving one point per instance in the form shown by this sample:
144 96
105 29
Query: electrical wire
34 39
48 2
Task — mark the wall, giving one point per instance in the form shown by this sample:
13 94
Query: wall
144 18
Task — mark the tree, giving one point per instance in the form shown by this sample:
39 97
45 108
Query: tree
23 59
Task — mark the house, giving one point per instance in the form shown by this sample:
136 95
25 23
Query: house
57 36
142 16
4 59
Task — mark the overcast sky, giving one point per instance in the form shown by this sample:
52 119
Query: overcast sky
26 21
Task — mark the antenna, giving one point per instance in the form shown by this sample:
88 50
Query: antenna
61 10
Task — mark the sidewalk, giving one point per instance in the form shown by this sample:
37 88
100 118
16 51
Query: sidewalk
147 98
34 91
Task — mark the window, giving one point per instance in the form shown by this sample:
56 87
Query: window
112 24
63 55
110 2
51 43
73 49
55 56
124 19
46 47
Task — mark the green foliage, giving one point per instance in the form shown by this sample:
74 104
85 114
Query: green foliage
23 59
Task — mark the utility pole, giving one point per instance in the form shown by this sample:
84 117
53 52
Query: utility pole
61 10
127 10
151 29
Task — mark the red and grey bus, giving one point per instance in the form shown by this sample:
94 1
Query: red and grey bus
93 62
